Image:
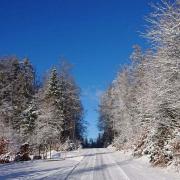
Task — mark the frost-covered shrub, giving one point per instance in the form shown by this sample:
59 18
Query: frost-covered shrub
140 144
118 143
160 146
23 154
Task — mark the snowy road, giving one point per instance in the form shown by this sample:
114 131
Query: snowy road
98 164
88 164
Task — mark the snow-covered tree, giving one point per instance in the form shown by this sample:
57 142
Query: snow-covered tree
17 88
28 124
70 98
51 117
143 102
60 108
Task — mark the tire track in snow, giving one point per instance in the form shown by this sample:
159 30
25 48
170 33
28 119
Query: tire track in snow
124 175
73 169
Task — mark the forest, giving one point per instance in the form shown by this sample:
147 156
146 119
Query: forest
38 116
140 110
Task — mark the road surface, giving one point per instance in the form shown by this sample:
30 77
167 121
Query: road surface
87 164
97 164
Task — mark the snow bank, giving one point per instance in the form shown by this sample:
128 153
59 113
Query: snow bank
53 155
140 167
41 169
111 147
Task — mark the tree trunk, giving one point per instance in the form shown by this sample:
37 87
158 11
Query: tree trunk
50 150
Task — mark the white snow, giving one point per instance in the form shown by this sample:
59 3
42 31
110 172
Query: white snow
111 147
141 169
88 164
53 155
40 169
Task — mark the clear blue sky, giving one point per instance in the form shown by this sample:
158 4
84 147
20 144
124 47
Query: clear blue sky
96 36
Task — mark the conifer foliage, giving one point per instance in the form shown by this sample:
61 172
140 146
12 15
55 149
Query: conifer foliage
43 115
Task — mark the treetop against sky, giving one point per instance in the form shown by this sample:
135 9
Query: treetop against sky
95 36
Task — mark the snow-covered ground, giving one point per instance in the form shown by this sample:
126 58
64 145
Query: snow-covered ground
141 169
87 164
41 169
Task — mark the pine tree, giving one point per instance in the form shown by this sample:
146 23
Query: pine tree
28 124
50 120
